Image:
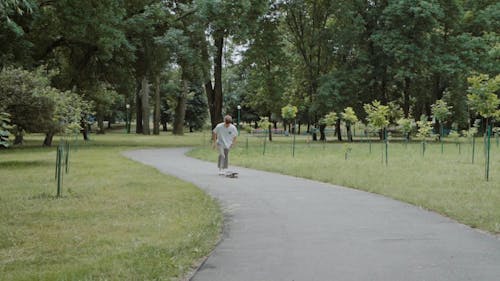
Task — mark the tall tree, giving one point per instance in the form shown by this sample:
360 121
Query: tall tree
405 36
308 23
265 67
223 19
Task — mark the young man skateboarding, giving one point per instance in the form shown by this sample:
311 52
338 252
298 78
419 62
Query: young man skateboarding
224 138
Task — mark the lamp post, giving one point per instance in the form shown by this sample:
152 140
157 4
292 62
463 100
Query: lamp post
127 121
238 124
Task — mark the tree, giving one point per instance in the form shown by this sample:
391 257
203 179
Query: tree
308 23
196 110
166 114
223 19
406 125
424 130
150 25
350 118
265 66
266 125
482 97
35 106
68 109
441 111
377 115
4 129
20 94
288 113
405 37
330 119
14 15
105 98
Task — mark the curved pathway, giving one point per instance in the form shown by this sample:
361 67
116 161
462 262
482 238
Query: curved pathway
285 228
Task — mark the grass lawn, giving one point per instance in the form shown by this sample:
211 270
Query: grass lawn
447 183
117 220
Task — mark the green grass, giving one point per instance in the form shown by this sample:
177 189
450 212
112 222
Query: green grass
447 183
117 220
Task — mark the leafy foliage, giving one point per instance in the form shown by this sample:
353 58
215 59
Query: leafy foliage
4 129
441 110
482 97
289 112
424 128
196 109
35 106
321 56
264 123
330 119
406 125
377 114
349 116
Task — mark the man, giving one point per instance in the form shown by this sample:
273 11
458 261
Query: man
224 138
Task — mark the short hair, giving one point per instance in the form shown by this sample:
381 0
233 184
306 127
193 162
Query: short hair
228 119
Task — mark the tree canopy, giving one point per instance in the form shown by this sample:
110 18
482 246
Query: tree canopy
321 56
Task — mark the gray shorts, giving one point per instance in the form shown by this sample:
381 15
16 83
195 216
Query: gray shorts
223 157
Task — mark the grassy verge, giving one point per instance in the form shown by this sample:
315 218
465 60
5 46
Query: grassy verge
444 182
117 220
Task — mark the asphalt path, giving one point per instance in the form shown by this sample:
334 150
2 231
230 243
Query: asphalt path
286 228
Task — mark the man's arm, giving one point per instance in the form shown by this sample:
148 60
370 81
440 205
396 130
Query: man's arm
234 142
235 135
214 140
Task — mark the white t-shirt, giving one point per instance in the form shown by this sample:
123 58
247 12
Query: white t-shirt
225 136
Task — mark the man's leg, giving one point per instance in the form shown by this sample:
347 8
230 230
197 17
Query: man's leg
220 163
226 159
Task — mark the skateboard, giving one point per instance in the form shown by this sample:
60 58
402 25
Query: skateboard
231 174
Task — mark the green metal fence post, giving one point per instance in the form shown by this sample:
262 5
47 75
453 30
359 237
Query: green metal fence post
386 148
473 148
265 139
488 154
58 172
66 160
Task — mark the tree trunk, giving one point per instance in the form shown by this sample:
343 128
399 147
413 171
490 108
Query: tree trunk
84 129
180 110
19 138
48 139
214 94
349 131
270 133
338 131
156 115
322 132
138 102
145 106
100 123
406 102
219 44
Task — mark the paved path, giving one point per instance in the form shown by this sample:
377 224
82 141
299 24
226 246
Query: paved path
285 228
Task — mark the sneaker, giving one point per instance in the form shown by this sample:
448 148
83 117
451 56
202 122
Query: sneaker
222 173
